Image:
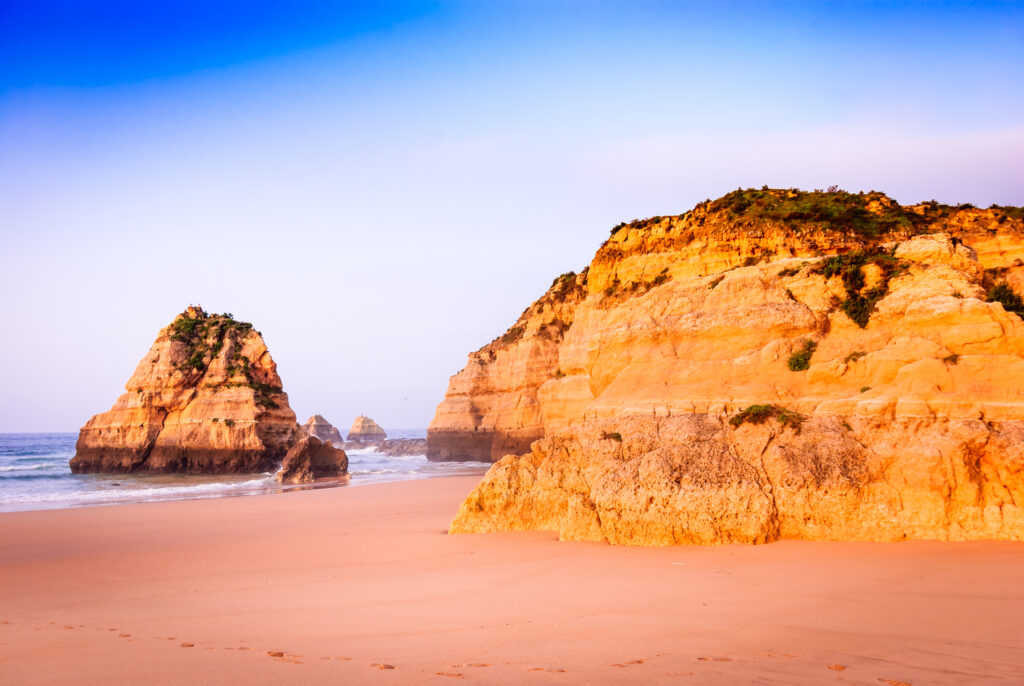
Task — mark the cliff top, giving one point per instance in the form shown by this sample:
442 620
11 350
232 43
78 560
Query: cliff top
869 215
742 228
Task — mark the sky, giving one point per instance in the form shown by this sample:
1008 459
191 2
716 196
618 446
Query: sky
382 188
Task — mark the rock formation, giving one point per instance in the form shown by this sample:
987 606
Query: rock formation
773 364
311 459
321 428
365 429
206 398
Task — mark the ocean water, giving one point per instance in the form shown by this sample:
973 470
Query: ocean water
34 475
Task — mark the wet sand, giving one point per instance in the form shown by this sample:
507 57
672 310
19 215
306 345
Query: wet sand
362 585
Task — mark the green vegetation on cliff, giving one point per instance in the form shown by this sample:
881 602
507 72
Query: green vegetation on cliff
1003 294
860 302
759 414
865 214
204 335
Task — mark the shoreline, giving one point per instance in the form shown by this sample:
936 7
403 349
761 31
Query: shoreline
34 475
364 585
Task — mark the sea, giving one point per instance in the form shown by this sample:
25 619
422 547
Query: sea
34 475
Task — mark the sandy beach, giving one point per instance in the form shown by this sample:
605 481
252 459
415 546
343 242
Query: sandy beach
363 585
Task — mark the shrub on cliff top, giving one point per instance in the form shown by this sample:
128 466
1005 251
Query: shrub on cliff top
834 209
203 335
611 436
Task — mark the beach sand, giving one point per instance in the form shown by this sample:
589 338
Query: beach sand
362 585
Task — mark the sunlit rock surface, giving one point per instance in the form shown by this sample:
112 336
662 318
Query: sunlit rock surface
205 399
888 392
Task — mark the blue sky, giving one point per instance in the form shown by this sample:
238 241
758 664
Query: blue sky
381 188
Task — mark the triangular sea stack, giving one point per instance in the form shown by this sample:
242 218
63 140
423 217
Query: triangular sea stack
206 398
319 427
365 429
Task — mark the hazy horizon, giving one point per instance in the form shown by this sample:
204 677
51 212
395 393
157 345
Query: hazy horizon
383 190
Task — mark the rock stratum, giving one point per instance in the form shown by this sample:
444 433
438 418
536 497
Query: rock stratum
206 399
772 364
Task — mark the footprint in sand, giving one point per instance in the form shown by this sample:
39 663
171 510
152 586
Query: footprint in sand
381 665
454 675
895 682
124 635
275 653
479 664
188 645
547 669
837 667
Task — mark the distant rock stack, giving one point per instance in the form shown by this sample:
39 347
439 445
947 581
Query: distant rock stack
319 427
365 429
311 459
206 399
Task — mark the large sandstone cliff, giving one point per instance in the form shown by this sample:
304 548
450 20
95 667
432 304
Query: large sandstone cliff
206 398
771 364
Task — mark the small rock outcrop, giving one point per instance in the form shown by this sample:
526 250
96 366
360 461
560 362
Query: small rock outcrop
311 459
772 364
365 429
206 399
322 429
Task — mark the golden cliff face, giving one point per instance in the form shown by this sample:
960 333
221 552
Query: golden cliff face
886 393
206 398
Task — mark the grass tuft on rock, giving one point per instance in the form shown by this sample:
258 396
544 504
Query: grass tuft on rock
759 414
801 359
1002 293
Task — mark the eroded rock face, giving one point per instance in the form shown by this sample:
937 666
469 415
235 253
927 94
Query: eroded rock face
311 459
205 399
321 428
903 419
365 429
